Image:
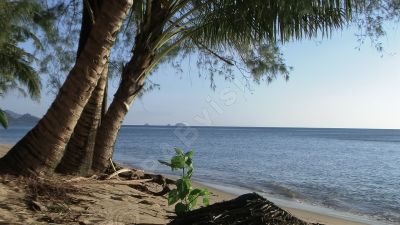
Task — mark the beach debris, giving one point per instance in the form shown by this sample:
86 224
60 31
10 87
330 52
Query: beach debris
118 172
112 165
247 209
77 179
35 205
117 198
146 202
126 182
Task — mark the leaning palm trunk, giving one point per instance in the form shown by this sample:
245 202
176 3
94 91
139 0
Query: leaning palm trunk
133 78
42 148
79 152
111 123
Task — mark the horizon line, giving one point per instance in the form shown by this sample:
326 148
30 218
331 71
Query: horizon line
233 126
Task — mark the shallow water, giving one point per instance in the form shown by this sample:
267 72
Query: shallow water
355 170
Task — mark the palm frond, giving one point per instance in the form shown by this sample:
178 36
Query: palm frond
247 21
3 119
252 29
19 20
15 65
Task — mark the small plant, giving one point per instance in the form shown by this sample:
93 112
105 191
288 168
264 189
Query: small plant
184 193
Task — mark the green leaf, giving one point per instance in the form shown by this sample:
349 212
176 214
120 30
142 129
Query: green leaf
188 184
189 162
181 208
173 197
189 173
177 162
165 163
178 151
204 192
183 186
206 201
3 119
193 199
196 191
189 154
192 203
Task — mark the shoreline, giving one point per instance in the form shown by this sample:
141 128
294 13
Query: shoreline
307 212
304 211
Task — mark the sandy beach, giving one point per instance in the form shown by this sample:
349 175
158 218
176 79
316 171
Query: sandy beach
103 203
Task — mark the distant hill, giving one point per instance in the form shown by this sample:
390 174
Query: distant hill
15 119
180 125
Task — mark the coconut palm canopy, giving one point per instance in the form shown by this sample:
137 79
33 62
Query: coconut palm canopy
18 21
243 32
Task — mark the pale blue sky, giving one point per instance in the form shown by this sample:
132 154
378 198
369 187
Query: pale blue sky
332 85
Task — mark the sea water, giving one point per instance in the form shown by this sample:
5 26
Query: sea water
352 170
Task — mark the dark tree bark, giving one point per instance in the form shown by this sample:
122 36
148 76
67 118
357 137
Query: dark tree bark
79 152
78 155
133 78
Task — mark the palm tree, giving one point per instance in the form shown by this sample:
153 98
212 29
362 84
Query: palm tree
78 154
241 26
42 148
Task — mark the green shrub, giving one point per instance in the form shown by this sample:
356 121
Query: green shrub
184 193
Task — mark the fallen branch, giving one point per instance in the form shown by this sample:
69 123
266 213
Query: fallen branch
81 178
112 164
126 182
118 172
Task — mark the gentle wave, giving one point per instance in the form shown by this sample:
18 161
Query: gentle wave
355 170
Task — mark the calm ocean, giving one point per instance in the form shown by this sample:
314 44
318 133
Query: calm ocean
352 170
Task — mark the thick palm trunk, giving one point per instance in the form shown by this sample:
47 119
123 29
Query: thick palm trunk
111 124
42 148
79 152
133 78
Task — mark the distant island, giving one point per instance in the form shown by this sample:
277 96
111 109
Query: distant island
16 119
180 125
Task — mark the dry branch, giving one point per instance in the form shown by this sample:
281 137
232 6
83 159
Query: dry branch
118 172
126 182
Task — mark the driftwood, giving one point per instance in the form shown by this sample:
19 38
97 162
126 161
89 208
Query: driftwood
134 178
118 172
248 209
126 182
77 179
112 164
